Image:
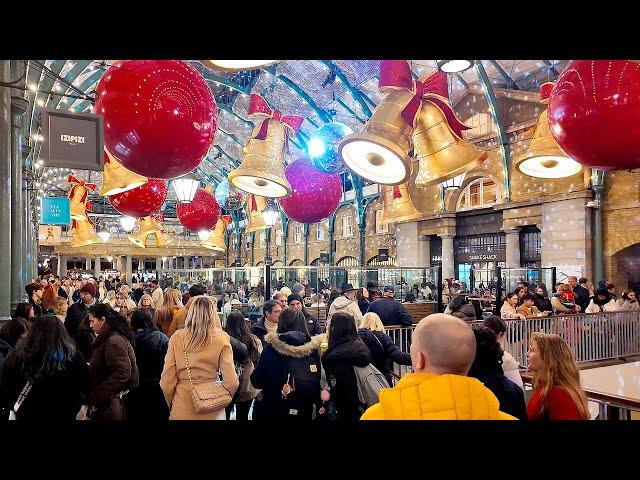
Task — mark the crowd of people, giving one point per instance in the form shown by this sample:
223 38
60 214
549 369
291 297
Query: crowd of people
100 349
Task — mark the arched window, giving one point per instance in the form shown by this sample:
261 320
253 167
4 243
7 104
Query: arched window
479 193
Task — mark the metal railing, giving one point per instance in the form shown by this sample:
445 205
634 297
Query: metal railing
591 336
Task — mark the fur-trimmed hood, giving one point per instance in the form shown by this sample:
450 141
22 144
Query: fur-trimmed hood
293 344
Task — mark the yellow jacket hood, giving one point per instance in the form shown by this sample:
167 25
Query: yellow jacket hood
423 396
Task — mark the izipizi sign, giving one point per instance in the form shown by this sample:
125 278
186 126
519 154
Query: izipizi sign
73 140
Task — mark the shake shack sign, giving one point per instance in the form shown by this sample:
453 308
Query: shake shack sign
73 140
483 257
463 257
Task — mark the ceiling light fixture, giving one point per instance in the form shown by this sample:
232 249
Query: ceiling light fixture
454 66
185 189
237 65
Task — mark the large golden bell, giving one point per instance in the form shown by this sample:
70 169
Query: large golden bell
79 207
84 234
148 225
380 152
544 158
397 204
118 179
440 152
254 214
216 238
262 168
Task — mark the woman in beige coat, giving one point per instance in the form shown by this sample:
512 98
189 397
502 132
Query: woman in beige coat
208 351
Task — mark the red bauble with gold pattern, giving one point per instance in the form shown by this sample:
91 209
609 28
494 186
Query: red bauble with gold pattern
594 113
160 116
141 201
202 213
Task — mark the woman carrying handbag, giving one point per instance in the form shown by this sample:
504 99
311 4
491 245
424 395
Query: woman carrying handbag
196 357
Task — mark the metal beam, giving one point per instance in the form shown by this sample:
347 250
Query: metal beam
512 83
551 67
355 93
505 148
461 80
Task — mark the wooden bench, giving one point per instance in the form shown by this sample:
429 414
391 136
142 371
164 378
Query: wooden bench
419 310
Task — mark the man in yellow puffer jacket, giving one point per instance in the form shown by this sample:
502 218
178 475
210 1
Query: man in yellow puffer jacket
443 348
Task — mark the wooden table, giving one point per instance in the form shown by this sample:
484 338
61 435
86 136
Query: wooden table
615 386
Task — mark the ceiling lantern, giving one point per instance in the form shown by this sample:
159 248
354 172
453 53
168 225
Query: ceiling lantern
454 183
127 223
263 164
185 189
380 152
236 65
454 66
544 158
270 213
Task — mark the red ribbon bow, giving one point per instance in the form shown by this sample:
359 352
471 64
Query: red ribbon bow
396 192
258 107
80 183
225 218
396 75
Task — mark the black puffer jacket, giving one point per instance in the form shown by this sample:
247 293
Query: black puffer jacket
542 303
390 312
466 313
312 323
5 348
338 362
383 351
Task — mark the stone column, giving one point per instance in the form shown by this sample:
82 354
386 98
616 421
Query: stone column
5 192
158 267
18 272
129 268
448 261
407 245
97 269
88 263
424 251
513 247
63 266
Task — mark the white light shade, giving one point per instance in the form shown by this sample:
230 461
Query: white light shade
185 189
127 223
104 235
203 235
454 183
454 66
238 65
549 166
259 186
374 162
270 215
110 259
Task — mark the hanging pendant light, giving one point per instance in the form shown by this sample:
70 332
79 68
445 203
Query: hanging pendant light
544 158
104 235
203 235
270 213
236 65
454 66
454 183
185 189
127 223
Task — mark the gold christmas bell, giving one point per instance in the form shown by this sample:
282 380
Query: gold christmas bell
438 144
78 196
116 178
216 238
380 152
147 226
544 158
83 233
397 204
255 205
262 169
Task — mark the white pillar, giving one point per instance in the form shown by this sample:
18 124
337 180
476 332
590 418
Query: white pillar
407 244
88 261
129 270
158 268
513 247
63 266
97 270
424 251
448 262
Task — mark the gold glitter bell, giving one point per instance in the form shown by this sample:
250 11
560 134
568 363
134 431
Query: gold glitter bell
255 205
441 152
544 158
117 179
216 238
263 164
147 226
380 152
397 204
83 233
78 196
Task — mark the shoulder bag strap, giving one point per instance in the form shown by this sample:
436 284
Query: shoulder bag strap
186 361
378 340
23 396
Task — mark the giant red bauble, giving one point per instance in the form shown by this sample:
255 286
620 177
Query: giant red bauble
141 201
201 214
160 116
594 113
314 194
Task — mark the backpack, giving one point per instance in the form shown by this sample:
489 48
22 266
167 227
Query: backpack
303 375
370 381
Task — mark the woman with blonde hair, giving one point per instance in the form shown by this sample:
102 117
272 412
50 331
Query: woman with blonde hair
557 393
195 355
384 352
110 298
172 303
60 307
146 303
102 291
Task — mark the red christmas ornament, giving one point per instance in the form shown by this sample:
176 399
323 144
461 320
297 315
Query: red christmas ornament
314 196
160 116
202 213
141 201
594 113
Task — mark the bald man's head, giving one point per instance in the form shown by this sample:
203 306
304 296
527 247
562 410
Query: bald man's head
442 344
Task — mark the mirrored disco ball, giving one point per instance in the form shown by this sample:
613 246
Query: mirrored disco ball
323 147
229 197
